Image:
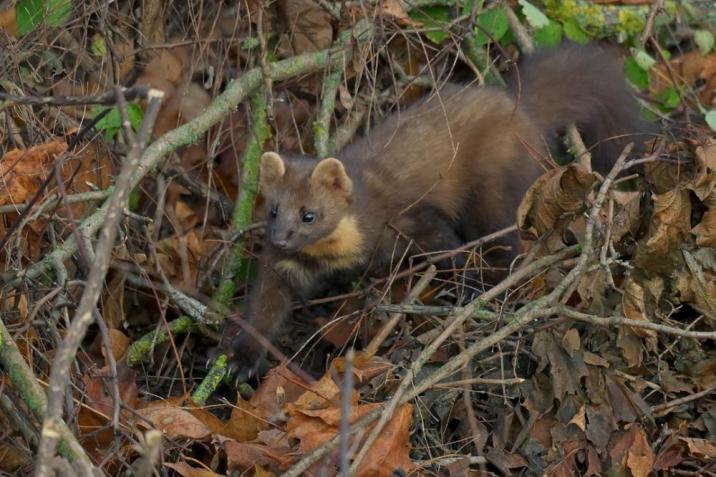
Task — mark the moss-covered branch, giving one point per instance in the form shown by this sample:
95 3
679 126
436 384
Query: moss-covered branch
143 346
243 211
243 214
322 125
25 384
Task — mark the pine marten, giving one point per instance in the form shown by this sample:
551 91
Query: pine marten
447 170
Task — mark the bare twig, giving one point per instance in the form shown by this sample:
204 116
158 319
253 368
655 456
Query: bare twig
684 400
60 374
346 393
109 98
656 7
396 317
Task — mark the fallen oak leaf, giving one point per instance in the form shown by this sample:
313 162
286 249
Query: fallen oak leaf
701 448
246 455
556 192
174 421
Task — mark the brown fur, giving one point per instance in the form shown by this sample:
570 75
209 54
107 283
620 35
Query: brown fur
447 170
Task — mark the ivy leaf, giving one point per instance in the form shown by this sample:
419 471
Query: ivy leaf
636 74
710 118
433 18
111 123
669 98
31 13
705 41
643 59
551 35
534 15
494 22
574 31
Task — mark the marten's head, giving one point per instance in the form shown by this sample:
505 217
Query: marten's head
307 203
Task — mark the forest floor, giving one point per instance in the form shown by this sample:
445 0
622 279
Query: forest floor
130 226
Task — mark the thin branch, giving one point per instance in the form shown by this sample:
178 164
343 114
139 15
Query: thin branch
65 355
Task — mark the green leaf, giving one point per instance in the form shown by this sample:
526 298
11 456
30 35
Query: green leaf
534 15
31 13
643 59
669 98
494 22
574 31
433 18
250 43
636 74
551 35
710 118
98 47
135 199
111 123
58 12
705 41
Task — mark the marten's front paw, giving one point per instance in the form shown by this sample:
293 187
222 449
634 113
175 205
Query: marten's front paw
246 359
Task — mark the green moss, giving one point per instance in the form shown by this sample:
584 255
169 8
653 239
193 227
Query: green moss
211 381
631 21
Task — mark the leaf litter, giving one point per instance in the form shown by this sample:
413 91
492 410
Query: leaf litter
593 400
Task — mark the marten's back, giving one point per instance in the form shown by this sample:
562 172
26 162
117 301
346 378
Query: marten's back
445 148
472 152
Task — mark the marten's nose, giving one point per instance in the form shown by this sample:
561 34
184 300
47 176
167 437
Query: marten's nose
281 241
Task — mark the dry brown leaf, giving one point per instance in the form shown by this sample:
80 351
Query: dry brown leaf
175 422
635 308
246 455
565 372
571 342
96 413
171 64
670 454
278 387
704 373
705 181
595 360
580 419
631 450
118 343
309 25
245 422
12 456
185 103
320 395
626 220
396 9
690 68
392 449
700 448
555 193
260 472
670 222
22 171
113 301
389 452
8 21
185 470
363 367
705 231
600 425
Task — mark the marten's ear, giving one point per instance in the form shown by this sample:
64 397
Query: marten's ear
330 175
272 169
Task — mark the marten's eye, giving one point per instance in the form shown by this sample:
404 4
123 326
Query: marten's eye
308 217
274 211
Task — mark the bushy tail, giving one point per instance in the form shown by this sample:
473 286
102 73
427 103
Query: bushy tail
583 84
